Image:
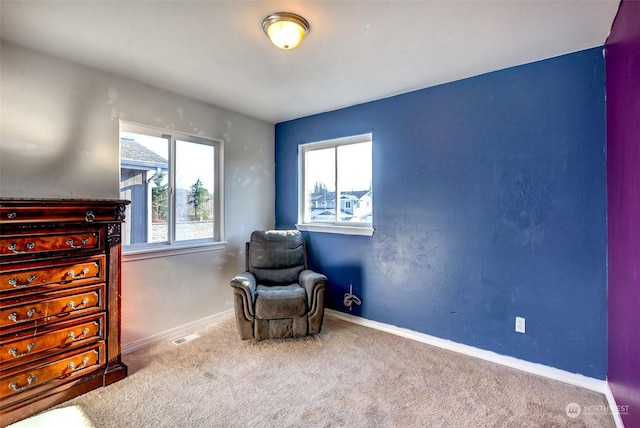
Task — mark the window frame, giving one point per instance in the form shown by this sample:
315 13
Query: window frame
339 227
171 246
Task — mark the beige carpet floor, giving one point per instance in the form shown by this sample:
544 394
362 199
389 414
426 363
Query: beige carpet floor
347 376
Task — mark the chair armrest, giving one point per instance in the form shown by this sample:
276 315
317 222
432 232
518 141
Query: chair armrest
313 283
246 284
246 281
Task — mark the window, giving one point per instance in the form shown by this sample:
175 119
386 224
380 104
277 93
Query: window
335 186
174 183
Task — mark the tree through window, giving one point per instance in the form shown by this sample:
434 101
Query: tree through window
174 184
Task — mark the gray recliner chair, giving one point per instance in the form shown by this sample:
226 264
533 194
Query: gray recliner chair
278 296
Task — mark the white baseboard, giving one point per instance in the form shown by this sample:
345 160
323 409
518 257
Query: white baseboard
582 381
613 406
172 333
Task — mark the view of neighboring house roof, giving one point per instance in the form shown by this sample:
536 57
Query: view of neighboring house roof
350 209
138 154
358 194
331 195
329 214
321 212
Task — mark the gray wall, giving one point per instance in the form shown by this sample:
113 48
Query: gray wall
59 137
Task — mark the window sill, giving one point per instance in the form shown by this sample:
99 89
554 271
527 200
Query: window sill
331 228
167 251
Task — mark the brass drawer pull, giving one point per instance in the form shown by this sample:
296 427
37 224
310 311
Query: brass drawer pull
82 304
14 351
13 247
71 366
14 281
14 316
72 335
15 387
83 272
82 243
89 217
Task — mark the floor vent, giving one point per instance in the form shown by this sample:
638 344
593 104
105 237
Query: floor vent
185 339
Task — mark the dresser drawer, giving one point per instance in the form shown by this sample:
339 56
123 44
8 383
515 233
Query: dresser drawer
77 272
51 307
62 240
64 367
28 345
29 212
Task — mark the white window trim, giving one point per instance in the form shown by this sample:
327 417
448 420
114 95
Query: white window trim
334 228
155 250
344 228
166 250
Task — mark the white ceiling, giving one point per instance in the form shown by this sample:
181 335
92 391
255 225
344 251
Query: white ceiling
356 51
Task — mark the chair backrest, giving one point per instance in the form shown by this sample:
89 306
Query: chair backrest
276 257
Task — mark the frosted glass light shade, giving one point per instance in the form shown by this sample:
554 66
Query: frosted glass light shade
285 30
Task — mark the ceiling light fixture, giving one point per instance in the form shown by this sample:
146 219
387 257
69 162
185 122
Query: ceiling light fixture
285 30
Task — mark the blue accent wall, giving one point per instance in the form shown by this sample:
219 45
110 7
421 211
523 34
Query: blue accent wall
489 203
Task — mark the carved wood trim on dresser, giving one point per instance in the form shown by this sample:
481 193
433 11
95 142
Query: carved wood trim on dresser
59 301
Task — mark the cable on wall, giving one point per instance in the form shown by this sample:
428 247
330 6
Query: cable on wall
350 298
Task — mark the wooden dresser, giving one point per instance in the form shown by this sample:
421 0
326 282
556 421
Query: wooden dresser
59 301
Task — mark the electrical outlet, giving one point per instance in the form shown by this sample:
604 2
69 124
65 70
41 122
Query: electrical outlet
520 325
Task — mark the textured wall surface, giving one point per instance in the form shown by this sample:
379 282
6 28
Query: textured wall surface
60 138
623 190
489 203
